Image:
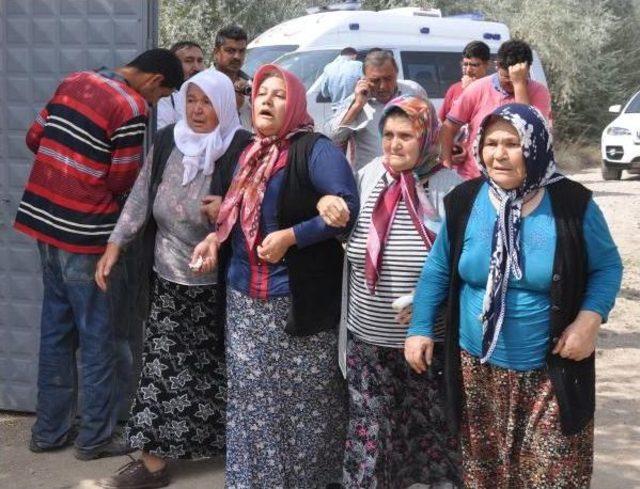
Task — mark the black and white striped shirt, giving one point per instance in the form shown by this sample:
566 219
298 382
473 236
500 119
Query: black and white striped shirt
370 317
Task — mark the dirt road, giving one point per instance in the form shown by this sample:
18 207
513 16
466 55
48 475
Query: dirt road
617 460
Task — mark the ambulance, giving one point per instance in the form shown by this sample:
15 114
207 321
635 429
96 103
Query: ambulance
427 47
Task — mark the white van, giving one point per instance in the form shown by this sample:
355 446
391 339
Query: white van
427 47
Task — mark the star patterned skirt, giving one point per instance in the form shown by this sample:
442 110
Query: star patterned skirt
179 407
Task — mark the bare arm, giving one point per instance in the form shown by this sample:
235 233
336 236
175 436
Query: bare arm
447 134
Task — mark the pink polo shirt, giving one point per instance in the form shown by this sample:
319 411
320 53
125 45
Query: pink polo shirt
481 98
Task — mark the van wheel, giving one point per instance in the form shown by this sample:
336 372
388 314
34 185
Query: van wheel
611 173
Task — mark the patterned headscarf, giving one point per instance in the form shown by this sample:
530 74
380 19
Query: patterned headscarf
262 159
404 186
540 165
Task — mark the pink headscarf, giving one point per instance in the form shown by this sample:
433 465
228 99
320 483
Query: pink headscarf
262 159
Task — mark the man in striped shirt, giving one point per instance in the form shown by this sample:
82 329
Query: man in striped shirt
88 146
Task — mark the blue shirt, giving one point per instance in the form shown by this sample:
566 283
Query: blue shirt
341 76
330 174
524 340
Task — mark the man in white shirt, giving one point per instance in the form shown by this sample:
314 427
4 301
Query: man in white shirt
356 119
191 56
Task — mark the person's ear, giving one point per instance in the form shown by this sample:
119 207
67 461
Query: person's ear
155 79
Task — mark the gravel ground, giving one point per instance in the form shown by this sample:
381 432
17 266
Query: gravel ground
617 459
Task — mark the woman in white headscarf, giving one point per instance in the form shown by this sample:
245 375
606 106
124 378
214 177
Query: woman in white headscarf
178 410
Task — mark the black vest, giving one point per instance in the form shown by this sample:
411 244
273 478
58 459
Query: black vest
315 272
573 382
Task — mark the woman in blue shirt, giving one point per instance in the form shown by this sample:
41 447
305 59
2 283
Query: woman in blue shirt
530 272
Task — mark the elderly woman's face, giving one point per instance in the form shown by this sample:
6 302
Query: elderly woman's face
502 155
201 116
400 143
269 106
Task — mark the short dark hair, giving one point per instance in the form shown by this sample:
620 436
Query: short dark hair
234 32
349 51
378 57
477 49
184 44
163 62
513 52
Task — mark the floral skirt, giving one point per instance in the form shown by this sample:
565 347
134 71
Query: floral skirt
397 432
286 411
179 407
511 435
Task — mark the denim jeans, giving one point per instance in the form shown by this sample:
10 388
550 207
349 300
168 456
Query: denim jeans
75 313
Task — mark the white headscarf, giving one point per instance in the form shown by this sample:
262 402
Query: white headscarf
201 150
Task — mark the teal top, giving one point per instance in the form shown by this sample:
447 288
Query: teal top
524 340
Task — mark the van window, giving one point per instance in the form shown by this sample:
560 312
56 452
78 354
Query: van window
435 71
307 65
259 56
634 105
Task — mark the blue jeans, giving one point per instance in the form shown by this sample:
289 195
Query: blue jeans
75 313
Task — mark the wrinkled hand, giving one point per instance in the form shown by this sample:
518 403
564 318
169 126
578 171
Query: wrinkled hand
362 91
519 73
578 340
275 245
208 250
404 316
211 207
107 261
418 352
333 210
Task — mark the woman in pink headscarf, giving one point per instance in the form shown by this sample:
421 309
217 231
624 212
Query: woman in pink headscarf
396 433
286 410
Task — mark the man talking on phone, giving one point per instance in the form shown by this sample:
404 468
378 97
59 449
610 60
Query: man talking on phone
356 119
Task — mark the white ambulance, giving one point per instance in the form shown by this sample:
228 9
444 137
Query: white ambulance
427 47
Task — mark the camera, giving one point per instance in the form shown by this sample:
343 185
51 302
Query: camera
244 89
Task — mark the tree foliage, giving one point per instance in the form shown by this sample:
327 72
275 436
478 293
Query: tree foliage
590 49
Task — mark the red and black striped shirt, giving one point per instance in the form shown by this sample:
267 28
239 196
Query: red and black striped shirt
88 146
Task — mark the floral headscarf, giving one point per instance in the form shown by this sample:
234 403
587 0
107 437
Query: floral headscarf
536 142
424 119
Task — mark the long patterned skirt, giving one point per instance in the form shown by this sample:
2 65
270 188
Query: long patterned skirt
511 435
397 432
286 411
179 407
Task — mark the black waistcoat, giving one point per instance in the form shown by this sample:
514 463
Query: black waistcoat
315 272
573 382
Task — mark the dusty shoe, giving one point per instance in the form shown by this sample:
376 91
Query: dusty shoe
37 447
115 447
135 475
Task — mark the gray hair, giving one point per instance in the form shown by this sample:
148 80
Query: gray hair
377 57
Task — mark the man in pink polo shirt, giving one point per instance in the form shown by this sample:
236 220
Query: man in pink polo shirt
474 64
510 84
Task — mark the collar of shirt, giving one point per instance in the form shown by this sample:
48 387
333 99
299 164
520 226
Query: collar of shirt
112 75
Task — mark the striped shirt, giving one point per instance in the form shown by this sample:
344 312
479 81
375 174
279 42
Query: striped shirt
370 317
88 146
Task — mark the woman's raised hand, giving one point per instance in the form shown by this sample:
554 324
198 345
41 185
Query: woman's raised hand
108 259
205 254
333 210
418 352
578 340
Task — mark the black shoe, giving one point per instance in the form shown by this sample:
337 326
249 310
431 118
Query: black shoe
135 475
35 447
114 448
